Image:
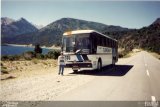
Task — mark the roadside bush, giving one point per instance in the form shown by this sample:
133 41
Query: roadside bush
17 57
10 57
4 70
28 55
5 57
53 54
122 54
35 61
1 64
40 56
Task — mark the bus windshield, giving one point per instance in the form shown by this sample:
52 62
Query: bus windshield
77 42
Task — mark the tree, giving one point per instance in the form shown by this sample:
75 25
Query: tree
37 49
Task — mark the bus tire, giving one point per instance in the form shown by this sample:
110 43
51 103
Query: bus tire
99 65
75 71
113 61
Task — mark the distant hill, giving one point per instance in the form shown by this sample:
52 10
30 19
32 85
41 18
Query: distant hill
6 21
157 21
147 38
52 33
11 28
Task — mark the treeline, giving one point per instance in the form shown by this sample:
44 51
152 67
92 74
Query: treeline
29 55
147 38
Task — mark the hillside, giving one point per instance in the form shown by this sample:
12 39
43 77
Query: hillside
11 28
147 38
52 33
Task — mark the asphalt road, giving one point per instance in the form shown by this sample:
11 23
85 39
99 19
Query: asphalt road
133 79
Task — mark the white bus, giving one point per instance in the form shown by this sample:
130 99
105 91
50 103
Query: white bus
88 50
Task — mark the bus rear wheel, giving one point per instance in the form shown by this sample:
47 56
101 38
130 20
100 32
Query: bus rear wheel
99 66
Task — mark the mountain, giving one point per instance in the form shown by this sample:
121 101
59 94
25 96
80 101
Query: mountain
39 26
6 21
147 38
52 33
157 21
11 28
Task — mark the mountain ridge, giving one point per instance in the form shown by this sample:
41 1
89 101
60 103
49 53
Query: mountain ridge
52 33
11 27
147 37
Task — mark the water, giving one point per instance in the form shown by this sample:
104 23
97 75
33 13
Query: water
17 50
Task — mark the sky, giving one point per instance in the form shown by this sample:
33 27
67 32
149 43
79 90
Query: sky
130 14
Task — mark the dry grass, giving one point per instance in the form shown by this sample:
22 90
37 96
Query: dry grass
26 68
125 54
156 55
35 61
45 63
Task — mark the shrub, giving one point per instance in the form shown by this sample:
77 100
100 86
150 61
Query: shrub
35 61
53 54
3 67
5 57
40 56
4 70
1 64
45 63
10 57
28 55
17 57
123 53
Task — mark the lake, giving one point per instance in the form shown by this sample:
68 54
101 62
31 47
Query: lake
17 50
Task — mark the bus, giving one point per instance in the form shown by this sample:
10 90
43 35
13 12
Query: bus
88 50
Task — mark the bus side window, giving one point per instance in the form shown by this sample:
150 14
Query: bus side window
98 40
109 43
101 41
112 43
106 42
94 43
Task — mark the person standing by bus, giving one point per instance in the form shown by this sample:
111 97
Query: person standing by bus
61 63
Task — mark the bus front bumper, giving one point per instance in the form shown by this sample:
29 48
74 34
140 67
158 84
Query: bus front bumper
79 65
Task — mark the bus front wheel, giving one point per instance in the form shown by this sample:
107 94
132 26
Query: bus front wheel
113 61
99 66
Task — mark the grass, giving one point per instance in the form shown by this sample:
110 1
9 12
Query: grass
4 70
45 63
156 55
125 54
35 61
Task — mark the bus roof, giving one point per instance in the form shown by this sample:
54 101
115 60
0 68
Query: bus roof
78 32
85 31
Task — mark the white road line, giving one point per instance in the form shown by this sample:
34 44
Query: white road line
147 72
146 65
153 98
